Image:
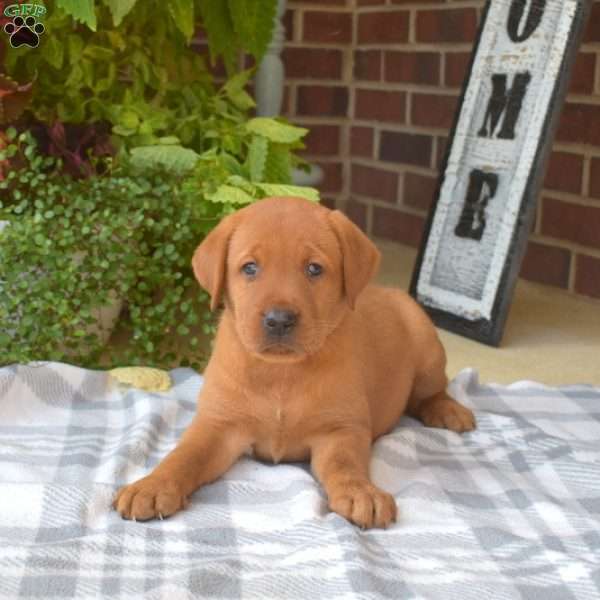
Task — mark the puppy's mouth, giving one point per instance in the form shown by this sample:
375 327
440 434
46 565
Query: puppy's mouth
281 351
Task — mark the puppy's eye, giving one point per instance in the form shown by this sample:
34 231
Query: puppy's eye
250 269
314 270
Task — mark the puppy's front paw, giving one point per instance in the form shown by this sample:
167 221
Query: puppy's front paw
364 505
148 498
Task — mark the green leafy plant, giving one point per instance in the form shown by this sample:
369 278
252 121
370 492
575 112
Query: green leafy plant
74 245
140 156
131 65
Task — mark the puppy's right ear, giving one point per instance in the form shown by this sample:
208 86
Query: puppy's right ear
210 260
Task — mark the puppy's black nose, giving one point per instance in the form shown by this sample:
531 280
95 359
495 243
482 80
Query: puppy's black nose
277 322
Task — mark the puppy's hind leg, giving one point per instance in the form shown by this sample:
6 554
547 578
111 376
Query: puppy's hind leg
431 404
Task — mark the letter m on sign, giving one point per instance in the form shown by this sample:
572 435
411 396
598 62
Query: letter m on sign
505 103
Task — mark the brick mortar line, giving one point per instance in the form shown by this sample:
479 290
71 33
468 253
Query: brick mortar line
322 159
395 127
398 206
400 188
293 99
443 89
585 150
434 152
583 99
586 177
299 24
412 27
345 156
312 120
397 86
303 7
415 7
443 65
572 272
403 168
417 46
348 120
429 88
376 143
348 67
565 245
569 198
553 242
375 164
300 45
317 45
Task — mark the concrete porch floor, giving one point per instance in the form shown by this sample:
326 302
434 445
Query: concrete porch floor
550 337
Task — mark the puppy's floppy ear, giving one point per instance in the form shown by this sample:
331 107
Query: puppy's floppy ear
210 260
360 256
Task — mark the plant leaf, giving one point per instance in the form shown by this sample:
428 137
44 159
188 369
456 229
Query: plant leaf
253 21
276 131
54 50
271 189
80 10
234 90
219 30
173 158
119 9
278 165
257 157
99 53
228 194
182 12
169 140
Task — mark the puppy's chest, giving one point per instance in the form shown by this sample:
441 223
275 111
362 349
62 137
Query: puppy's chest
282 424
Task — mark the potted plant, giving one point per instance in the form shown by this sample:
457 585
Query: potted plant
137 155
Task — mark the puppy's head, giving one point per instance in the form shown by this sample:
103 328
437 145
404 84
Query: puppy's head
287 270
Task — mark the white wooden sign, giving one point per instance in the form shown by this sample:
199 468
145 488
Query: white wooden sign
477 229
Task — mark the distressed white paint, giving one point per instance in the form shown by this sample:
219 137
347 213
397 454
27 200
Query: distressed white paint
460 275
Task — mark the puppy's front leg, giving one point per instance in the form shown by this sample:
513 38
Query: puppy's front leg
340 460
206 450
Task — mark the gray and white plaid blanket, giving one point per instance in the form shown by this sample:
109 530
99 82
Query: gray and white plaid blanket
511 510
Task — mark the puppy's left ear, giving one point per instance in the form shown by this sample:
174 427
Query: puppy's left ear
210 260
360 256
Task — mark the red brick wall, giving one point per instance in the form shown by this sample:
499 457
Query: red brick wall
377 81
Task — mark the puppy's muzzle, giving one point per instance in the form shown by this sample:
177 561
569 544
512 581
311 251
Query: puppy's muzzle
278 323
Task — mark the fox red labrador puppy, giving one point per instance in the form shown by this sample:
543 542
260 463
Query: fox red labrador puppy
311 362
